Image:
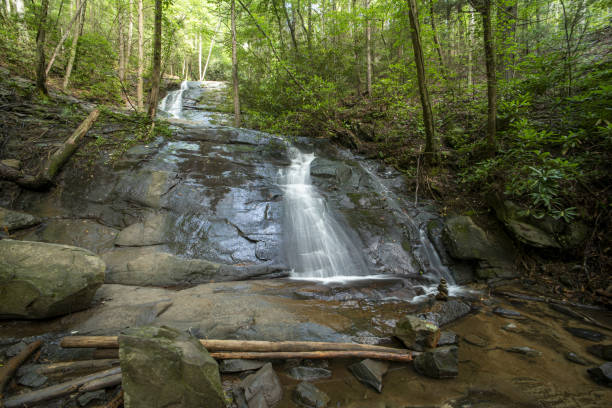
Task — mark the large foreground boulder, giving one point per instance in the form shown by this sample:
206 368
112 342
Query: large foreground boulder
39 280
163 367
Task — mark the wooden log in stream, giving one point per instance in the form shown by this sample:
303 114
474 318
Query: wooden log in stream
14 363
68 366
273 355
89 383
109 342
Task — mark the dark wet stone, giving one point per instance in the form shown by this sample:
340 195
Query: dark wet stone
575 358
261 389
309 373
438 363
14 220
510 314
602 374
87 397
309 396
370 372
236 365
475 340
32 379
524 350
443 313
586 333
603 351
15 349
417 333
447 338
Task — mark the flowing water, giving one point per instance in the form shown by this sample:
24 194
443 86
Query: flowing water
172 103
316 245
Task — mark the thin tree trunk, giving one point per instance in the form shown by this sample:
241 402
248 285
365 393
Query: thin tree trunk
128 52
121 40
435 35
235 68
212 43
154 95
489 47
200 56
7 371
420 67
368 50
41 76
66 33
78 28
470 46
140 86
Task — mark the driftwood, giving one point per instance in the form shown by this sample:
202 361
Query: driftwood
54 164
403 358
68 366
13 364
60 390
100 383
109 342
105 354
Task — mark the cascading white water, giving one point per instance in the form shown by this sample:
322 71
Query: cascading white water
316 245
173 102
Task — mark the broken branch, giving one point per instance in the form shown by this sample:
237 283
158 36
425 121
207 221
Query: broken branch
13 364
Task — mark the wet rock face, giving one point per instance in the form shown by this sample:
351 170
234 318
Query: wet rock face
39 280
493 252
602 374
438 363
370 372
309 373
309 396
163 367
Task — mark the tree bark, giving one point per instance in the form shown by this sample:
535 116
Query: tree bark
368 50
70 366
200 56
235 68
140 86
66 33
420 67
402 358
491 74
212 44
7 371
128 51
154 96
54 164
121 40
110 342
435 36
41 76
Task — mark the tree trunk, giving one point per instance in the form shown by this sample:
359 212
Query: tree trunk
435 36
212 44
78 29
420 67
154 95
200 56
128 52
121 40
140 86
368 50
7 371
66 33
41 76
489 47
235 68
402 358
470 46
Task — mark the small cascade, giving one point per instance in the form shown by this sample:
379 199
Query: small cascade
172 103
424 251
316 245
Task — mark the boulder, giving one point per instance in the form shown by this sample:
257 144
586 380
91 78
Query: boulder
438 363
86 234
602 374
309 396
443 313
39 280
237 365
586 333
447 338
416 333
492 250
260 390
13 220
164 367
370 372
152 231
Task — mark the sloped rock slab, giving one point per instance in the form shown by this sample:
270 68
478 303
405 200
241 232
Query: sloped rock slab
439 363
587 334
370 372
309 396
261 389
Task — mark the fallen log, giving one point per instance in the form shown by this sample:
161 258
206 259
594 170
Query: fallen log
109 342
377 355
58 390
100 383
54 164
104 354
68 366
14 363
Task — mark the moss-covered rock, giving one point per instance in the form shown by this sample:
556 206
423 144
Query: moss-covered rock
39 280
13 220
163 367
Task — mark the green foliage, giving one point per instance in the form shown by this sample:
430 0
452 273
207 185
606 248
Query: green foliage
94 68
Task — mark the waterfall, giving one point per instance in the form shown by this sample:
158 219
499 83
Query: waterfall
173 101
316 245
